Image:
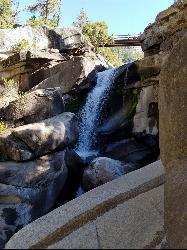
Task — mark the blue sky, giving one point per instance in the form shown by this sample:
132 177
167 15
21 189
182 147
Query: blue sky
122 16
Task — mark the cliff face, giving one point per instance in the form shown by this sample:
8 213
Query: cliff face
161 78
167 39
161 36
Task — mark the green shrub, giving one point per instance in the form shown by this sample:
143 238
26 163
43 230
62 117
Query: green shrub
111 56
3 127
9 83
97 34
22 45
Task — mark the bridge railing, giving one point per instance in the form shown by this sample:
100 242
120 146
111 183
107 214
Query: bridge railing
124 40
125 37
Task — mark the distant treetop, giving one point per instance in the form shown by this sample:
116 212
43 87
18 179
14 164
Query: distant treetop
82 20
45 12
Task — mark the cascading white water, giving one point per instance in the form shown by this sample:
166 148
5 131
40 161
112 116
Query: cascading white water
90 113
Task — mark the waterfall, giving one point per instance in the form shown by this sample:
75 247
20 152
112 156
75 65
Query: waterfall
90 113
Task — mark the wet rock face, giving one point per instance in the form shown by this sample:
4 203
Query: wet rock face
140 151
102 170
29 141
76 168
139 71
28 190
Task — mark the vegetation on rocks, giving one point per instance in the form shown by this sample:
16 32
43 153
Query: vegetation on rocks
9 91
3 127
8 82
9 10
82 20
5 14
22 45
97 34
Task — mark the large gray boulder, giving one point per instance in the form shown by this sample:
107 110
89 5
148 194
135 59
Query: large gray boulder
59 74
39 38
35 106
8 94
49 69
29 141
102 170
28 190
140 151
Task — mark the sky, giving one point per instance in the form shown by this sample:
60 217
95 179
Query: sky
122 16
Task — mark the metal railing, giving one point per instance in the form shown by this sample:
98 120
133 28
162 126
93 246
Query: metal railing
125 37
124 40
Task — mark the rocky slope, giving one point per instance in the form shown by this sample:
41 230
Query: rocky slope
37 165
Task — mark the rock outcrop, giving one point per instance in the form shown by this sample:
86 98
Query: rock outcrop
29 190
125 213
29 141
167 29
167 38
49 69
146 118
173 131
139 151
40 38
59 74
40 69
34 106
8 94
102 170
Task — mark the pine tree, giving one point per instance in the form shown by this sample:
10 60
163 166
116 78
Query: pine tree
15 10
45 12
9 10
97 34
82 20
5 14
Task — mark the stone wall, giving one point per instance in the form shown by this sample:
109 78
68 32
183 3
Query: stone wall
166 38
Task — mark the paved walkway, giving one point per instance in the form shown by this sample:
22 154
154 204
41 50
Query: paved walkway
126 213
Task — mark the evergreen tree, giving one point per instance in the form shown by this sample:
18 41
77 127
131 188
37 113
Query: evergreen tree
97 34
15 10
45 12
9 10
82 20
5 14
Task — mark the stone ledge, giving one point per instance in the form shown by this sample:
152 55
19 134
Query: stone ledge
63 221
135 224
24 57
141 84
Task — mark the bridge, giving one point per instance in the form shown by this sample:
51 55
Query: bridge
124 40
